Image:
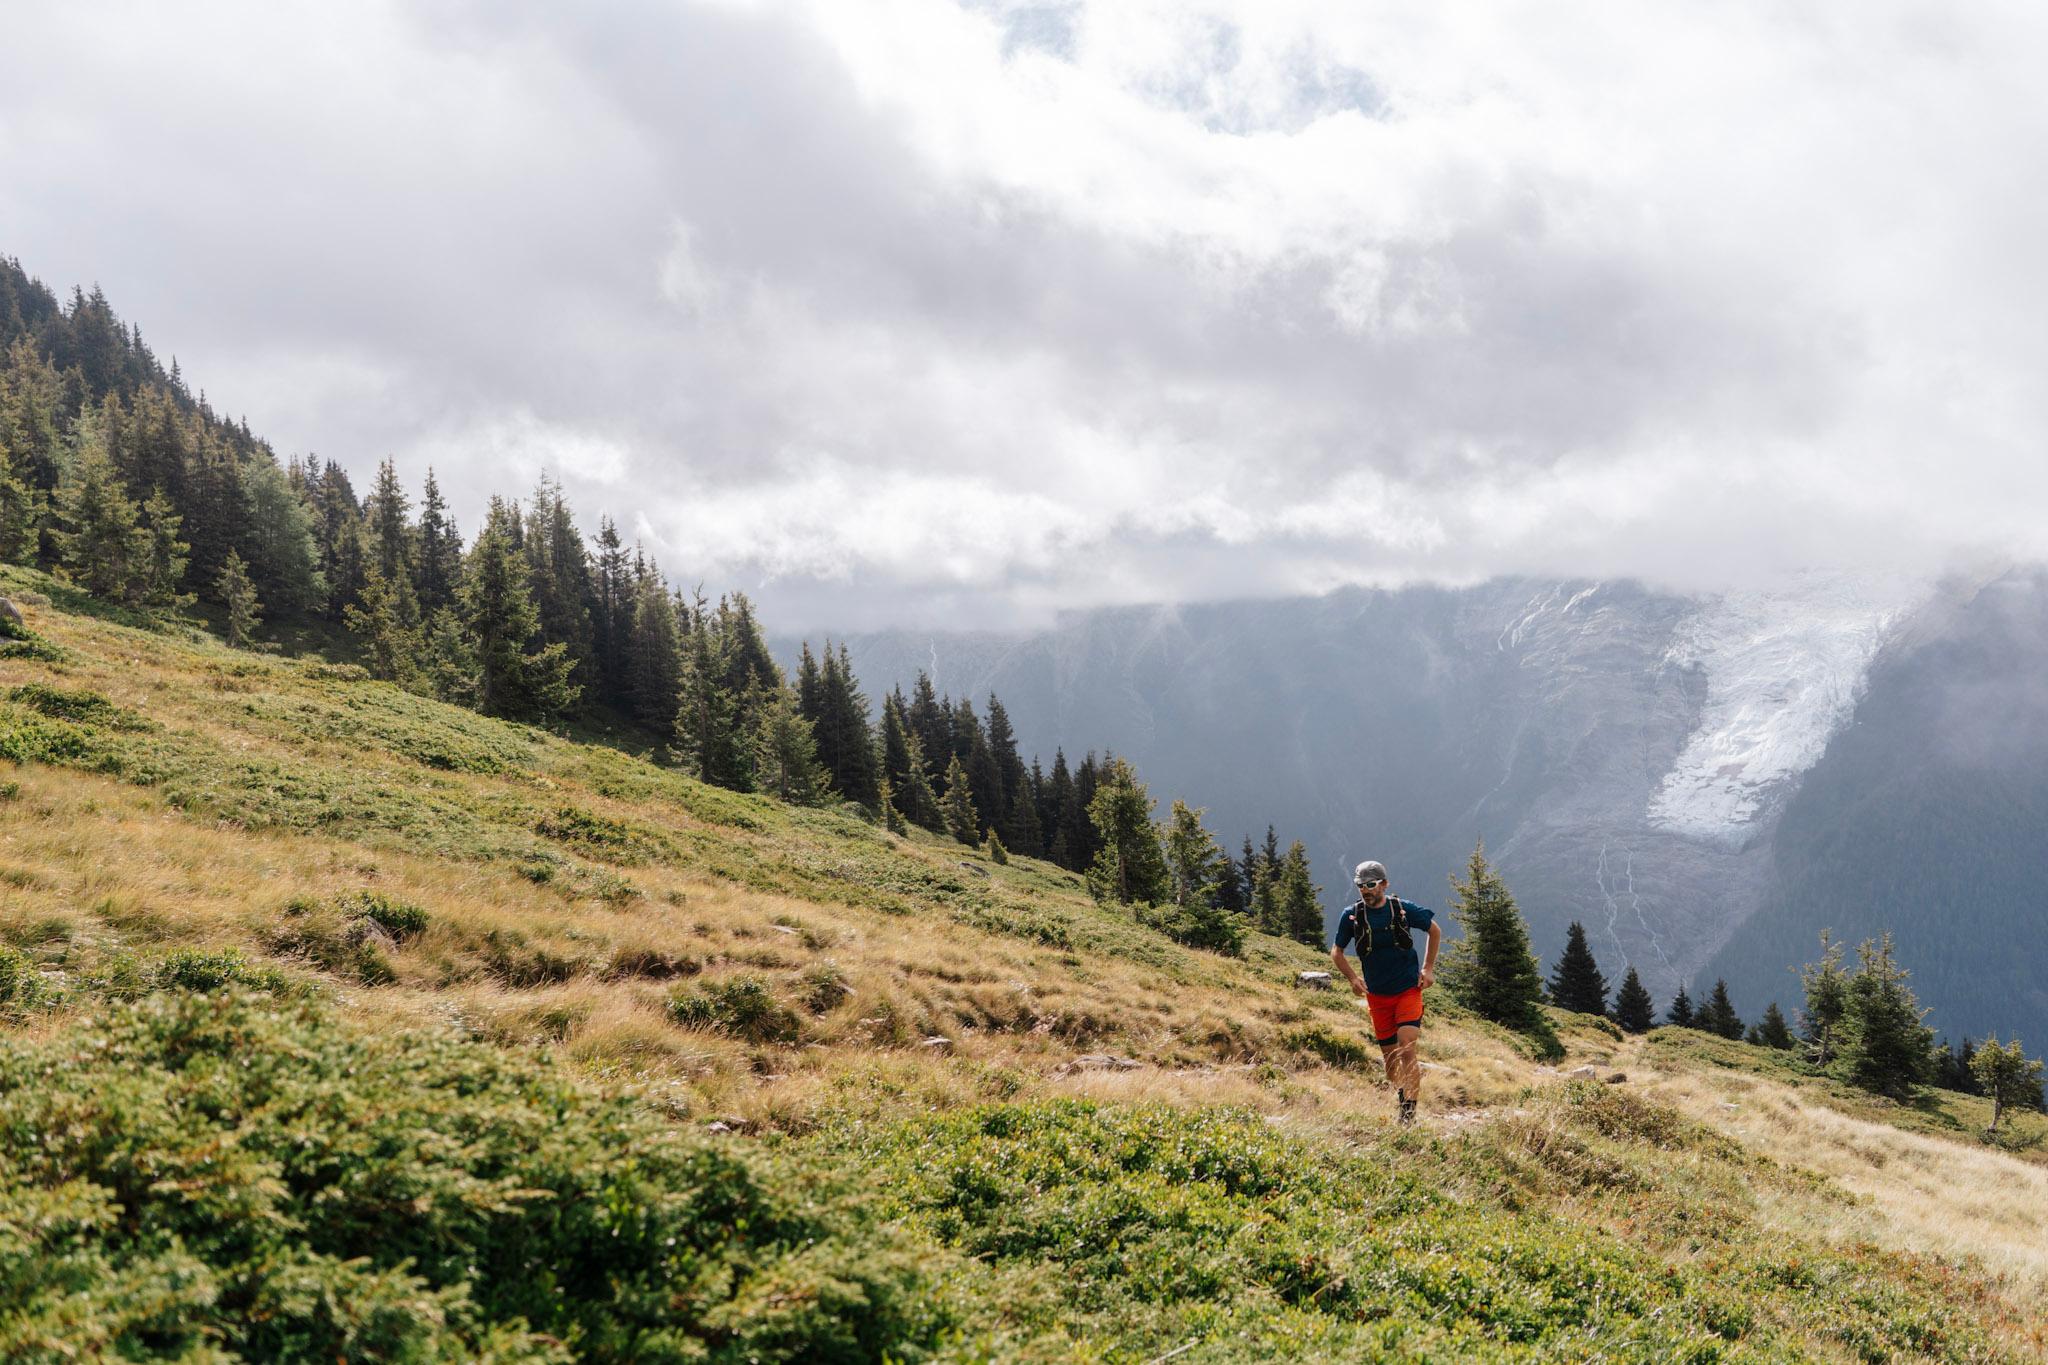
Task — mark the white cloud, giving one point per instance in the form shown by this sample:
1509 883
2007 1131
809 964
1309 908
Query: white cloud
910 309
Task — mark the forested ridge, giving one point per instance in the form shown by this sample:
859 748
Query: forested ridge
114 470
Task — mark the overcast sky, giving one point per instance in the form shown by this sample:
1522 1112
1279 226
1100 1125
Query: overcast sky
916 311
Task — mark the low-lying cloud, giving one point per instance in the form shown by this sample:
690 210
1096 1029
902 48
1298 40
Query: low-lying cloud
918 311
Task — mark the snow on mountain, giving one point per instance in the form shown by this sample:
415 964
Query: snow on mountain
1784 669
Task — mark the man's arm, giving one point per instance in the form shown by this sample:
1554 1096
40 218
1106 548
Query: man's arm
1344 966
1436 936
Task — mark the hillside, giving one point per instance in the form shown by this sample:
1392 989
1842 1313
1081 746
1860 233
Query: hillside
347 1024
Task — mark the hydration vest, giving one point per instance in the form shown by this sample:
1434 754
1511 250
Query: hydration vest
1400 938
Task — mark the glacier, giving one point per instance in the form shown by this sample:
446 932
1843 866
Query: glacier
1784 668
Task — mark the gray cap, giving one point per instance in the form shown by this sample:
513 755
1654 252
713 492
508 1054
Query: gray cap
1369 871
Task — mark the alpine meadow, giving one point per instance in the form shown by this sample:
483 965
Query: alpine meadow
1073 682
346 1019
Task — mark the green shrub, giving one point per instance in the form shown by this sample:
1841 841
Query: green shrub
81 707
21 985
189 969
400 919
824 987
1208 927
600 836
10 791
739 1007
220 1177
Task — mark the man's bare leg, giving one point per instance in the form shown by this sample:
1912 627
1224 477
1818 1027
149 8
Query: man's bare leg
1409 1062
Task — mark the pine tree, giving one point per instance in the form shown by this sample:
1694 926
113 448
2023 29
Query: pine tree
892 818
245 612
1492 972
1576 984
1827 1002
1250 873
1633 1009
1192 857
1681 1015
1129 867
1299 910
958 804
278 541
1229 886
846 745
2007 1076
917 800
611 615
21 511
390 534
516 676
993 846
1718 1015
786 754
1889 1044
448 660
1772 1032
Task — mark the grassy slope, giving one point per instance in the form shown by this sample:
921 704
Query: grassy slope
930 1036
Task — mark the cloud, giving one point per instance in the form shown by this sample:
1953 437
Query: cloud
911 310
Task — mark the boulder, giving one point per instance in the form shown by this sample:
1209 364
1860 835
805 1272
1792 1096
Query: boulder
1315 981
11 613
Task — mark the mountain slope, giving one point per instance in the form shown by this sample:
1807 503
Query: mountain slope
546 1000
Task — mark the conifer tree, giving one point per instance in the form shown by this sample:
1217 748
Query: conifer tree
1229 886
1250 872
786 754
390 534
611 615
1299 910
931 722
1718 1015
244 610
1082 842
164 555
1129 867
1681 1014
958 805
895 741
892 818
1491 970
918 802
993 846
653 654
440 551
1888 1044
1827 1002
516 676
560 572
707 725
21 512
846 744
100 536
448 659
1059 800
1633 1009
1772 1032
1192 857
2007 1076
394 646
1576 983
278 543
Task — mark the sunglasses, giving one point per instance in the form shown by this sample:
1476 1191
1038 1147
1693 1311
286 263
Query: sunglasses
1367 886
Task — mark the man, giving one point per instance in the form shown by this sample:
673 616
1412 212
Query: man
1383 929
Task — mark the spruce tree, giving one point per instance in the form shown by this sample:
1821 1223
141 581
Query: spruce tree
163 555
786 753
278 542
1889 1045
653 654
611 615
1773 1032
708 729
393 646
1718 1015
958 805
100 534
245 612
2007 1077
1250 873
390 532
892 817
448 659
993 846
1576 984
1192 857
1681 1015
1633 1009
516 676
1492 972
440 551
1827 1002
1229 886
1129 867
917 800
1298 909
21 511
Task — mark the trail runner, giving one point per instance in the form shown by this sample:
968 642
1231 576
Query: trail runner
1383 927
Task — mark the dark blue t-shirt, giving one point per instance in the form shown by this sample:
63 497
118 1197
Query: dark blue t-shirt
1389 970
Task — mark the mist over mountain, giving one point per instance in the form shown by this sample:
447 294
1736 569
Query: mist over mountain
1680 773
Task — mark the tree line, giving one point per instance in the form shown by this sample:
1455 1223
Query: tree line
113 472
